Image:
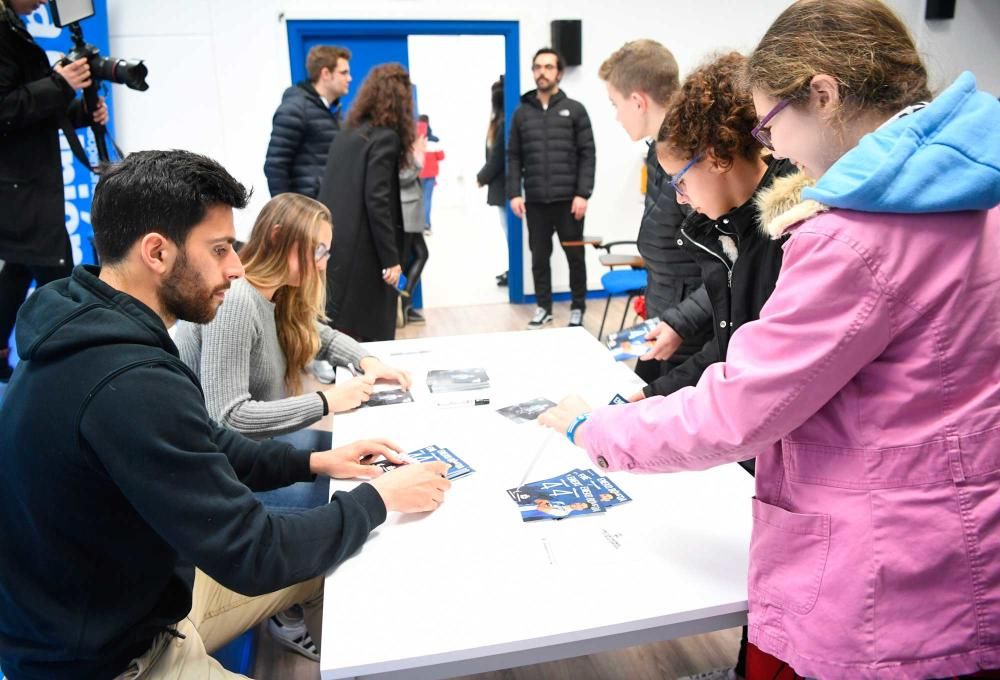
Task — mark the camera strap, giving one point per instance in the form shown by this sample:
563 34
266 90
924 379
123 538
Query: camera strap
77 148
74 144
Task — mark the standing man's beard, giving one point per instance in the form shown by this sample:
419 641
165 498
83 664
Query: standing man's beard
185 297
552 84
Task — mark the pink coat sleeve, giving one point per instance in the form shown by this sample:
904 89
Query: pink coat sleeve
827 318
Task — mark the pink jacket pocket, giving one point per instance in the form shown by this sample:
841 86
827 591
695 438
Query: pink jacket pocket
788 553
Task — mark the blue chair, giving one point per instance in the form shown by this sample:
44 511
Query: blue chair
631 281
239 655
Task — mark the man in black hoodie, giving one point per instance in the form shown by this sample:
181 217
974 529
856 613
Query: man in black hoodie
116 485
305 123
551 148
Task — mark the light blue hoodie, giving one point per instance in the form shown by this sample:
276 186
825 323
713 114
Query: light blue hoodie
943 158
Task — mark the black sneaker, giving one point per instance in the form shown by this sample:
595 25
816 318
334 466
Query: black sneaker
502 280
541 318
414 317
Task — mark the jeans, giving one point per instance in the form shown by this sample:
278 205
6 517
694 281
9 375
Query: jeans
300 496
428 185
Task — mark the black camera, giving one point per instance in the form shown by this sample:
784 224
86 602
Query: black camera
129 72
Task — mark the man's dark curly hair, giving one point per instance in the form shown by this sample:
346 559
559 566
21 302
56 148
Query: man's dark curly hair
386 100
712 112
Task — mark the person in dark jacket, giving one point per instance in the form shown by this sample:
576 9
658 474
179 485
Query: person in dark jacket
306 122
551 149
640 78
717 168
35 100
492 175
130 534
361 189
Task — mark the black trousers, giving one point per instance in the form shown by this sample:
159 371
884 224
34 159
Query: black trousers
15 280
543 220
415 255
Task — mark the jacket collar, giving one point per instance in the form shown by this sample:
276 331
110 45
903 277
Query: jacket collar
312 94
17 26
531 97
782 206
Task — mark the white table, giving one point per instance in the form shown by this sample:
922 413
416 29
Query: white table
471 588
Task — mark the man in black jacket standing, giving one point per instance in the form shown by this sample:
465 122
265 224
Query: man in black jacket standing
306 122
35 100
117 485
551 148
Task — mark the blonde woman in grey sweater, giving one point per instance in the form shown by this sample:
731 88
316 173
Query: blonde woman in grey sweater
251 358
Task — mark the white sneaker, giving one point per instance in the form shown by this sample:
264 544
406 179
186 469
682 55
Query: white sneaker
541 318
575 317
292 634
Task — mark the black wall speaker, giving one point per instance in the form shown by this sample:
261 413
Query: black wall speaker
940 9
567 40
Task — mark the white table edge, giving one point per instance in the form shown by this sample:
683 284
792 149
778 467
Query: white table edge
549 648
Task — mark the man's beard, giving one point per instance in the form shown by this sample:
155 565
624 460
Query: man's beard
551 85
185 297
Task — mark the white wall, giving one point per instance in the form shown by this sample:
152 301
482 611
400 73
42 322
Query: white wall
218 67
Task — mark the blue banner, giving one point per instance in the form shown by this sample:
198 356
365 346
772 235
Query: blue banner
78 180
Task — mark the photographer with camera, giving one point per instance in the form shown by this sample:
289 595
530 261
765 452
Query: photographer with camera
35 102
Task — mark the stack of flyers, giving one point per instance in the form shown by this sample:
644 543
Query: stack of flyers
455 380
631 342
433 454
572 494
525 411
386 397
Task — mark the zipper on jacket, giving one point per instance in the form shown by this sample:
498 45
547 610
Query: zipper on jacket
729 270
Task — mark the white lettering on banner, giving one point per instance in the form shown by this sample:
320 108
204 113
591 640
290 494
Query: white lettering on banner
40 25
72 190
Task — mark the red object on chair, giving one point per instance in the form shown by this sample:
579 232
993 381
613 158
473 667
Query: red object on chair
639 305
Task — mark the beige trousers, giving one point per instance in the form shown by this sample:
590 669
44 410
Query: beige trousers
219 615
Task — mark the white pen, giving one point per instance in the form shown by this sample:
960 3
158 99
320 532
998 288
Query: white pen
483 401
541 450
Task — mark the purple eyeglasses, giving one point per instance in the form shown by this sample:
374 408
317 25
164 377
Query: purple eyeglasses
321 251
763 134
676 180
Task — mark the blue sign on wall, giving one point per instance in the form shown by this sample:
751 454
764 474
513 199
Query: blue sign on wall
78 180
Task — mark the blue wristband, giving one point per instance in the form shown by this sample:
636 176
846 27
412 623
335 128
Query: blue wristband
571 431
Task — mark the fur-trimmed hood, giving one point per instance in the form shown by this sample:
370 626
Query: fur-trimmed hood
781 205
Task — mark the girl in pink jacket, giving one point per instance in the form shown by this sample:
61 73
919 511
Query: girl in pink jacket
869 389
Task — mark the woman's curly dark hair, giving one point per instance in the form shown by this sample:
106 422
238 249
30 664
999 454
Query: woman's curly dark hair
712 112
386 100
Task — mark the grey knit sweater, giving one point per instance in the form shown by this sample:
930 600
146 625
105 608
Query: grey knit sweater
242 368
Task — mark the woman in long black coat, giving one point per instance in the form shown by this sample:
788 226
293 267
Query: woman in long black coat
361 188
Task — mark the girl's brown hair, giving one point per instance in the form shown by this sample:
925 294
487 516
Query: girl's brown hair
861 43
386 100
297 309
711 112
